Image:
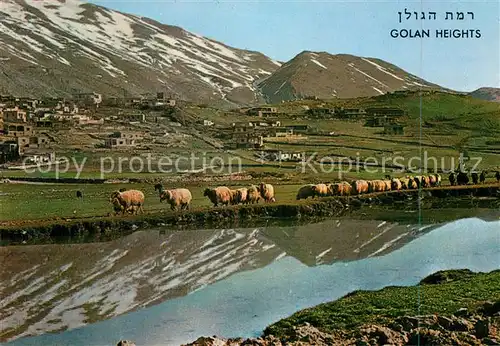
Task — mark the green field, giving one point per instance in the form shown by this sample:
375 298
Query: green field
31 201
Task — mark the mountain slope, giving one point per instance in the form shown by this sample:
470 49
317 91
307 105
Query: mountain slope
488 94
58 48
343 76
53 48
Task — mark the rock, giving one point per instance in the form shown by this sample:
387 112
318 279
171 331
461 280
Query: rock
427 320
396 326
125 343
383 335
423 336
312 336
362 343
490 308
461 312
488 341
253 342
408 323
208 341
482 328
446 276
444 322
461 325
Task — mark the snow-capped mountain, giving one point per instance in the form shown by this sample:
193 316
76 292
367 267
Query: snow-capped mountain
57 48
62 47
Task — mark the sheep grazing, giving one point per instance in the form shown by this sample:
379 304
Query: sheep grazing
438 179
388 184
413 183
425 181
360 186
253 194
176 198
341 189
452 178
234 197
306 191
396 184
432 180
482 177
119 209
267 192
475 178
405 183
219 195
321 190
462 178
240 196
376 186
418 181
128 199
159 187
79 194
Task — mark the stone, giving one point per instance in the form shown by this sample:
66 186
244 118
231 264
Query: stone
491 308
382 335
396 326
125 343
482 328
444 322
408 323
423 336
461 312
461 325
208 341
427 320
488 341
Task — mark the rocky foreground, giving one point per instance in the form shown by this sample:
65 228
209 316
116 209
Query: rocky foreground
461 328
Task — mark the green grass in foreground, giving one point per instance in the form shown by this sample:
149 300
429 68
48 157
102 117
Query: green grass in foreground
361 307
31 201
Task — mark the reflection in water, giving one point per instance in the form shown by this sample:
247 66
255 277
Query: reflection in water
78 284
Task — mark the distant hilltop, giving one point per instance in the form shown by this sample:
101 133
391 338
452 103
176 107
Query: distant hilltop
488 94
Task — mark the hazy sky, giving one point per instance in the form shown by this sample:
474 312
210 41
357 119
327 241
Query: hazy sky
282 28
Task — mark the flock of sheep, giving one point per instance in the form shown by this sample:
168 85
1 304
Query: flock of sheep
358 187
132 201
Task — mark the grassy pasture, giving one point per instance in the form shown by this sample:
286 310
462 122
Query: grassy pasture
51 201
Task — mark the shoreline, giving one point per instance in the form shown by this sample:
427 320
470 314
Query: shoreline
449 317
97 227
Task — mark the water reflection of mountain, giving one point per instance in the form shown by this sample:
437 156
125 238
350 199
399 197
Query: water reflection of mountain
56 287
342 240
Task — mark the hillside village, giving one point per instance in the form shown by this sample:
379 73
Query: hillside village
33 130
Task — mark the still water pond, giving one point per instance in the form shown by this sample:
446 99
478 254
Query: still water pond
160 288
